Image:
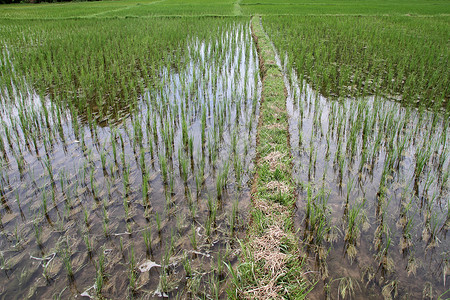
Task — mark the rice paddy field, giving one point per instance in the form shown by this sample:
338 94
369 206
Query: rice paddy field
131 137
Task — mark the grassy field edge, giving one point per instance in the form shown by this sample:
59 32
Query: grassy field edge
272 264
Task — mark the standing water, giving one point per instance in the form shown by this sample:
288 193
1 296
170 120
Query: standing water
146 202
373 186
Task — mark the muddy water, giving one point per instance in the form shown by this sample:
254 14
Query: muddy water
77 190
383 167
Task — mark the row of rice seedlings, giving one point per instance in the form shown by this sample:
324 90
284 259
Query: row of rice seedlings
103 156
397 144
354 225
319 233
126 161
340 56
101 77
391 158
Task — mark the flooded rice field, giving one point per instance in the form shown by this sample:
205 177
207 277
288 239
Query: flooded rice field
145 199
373 195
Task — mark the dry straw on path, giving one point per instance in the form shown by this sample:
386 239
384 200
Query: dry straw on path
272 266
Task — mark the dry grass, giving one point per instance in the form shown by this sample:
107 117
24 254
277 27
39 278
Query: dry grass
278 187
267 248
275 126
269 208
268 289
274 159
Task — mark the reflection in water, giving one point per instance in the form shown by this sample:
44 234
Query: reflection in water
373 194
89 204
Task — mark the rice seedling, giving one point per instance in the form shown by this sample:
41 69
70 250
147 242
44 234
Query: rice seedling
183 161
187 265
390 290
434 227
99 282
37 233
88 243
214 286
158 222
347 286
105 226
233 217
100 272
193 237
132 276
411 267
3 263
386 264
163 164
66 255
407 222
147 234
86 217
352 233
44 202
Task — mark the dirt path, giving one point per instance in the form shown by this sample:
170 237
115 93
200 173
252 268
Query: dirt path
272 266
